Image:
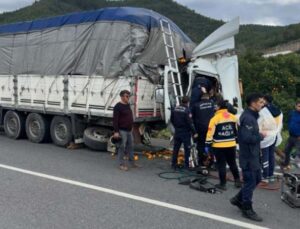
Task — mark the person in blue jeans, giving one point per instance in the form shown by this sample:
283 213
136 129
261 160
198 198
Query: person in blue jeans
249 139
181 118
123 124
294 136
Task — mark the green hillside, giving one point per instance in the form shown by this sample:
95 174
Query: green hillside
195 25
259 37
253 37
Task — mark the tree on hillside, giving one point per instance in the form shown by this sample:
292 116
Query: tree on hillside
277 76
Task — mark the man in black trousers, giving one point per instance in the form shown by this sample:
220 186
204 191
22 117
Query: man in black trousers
181 118
202 112
249 139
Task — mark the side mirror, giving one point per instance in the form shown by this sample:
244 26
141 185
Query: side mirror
159 95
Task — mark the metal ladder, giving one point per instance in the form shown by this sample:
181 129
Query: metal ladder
172 60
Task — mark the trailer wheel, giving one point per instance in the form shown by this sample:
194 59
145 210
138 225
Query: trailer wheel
14 125
61 131
96 138
37 128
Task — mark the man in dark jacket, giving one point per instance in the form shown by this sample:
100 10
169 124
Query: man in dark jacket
202 112
182 121
123 123
294 132
201 86
249 139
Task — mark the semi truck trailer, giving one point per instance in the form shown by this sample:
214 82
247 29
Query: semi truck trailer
60 77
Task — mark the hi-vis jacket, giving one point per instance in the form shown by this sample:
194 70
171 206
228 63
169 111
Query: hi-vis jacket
222 130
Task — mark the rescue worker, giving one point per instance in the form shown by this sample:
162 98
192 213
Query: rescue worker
182 121
249 139
221 136
201 86
202 112
269 121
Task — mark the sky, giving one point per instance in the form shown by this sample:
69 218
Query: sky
265 12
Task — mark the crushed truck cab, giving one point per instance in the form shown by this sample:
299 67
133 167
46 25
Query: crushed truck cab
215 59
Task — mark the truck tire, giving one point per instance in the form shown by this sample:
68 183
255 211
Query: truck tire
61 131
96 138
37 128
14 125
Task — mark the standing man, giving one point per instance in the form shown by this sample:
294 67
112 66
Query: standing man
268 121
182 121
202 112
221 136
249 139
123 123
294 138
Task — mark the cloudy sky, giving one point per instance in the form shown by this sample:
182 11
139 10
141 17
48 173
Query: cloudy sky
268 12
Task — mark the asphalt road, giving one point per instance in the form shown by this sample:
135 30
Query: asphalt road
31 200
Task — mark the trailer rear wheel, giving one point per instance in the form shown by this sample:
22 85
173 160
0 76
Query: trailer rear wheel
61 131
96 138
37 128
14 125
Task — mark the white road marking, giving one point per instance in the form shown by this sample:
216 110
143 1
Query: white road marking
138 198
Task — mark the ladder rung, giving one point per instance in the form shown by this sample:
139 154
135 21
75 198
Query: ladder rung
164 21
172 58
167 33
173 70
170 46
178 84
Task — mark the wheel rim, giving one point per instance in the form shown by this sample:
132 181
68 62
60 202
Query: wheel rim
146 138
35 128
60 131
99 135
12 125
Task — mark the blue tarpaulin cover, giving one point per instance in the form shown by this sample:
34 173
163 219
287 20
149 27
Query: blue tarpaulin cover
110 42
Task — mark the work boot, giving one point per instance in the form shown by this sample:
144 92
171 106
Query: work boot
123 168
135 165
285 167
249 213
174 167
272 179
236 202
264 182
238 183
221 186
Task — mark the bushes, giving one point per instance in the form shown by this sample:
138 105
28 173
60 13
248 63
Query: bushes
277 76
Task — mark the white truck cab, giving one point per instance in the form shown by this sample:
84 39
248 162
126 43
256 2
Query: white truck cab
215 59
